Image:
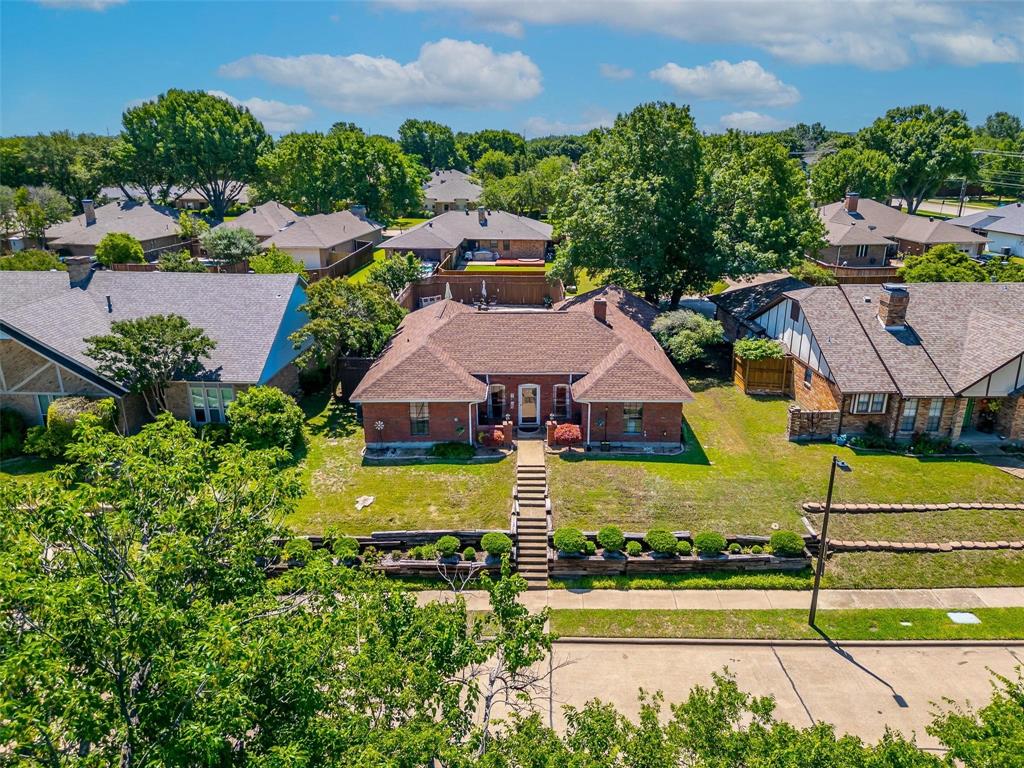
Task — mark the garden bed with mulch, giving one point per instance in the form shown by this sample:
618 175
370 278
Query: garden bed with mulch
571 566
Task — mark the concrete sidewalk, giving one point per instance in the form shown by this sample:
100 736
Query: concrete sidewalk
738 599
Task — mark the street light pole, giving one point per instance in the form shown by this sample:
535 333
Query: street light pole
823 539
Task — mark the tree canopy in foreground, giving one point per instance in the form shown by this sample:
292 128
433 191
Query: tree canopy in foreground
138 629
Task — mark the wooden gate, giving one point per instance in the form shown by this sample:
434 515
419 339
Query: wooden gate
762 377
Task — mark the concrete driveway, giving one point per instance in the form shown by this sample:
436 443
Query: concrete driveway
859 689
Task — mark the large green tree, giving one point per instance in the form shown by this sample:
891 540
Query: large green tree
1001 125
928 146
195 139
531 192
570 146
432 143
144 355
494 164
322 173
941 264
474 145
74 164
345 319
865 171
633 207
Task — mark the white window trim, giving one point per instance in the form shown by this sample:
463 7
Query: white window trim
220 400
936 416
522 423
910 409
870 395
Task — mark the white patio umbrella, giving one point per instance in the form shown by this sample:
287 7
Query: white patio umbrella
447 290
483 289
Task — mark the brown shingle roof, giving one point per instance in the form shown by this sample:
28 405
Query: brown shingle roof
142 221
438 352
873 221
449 230
264 220
324 230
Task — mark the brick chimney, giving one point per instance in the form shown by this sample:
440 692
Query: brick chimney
892 305
850 204
482 216
90 212
601 310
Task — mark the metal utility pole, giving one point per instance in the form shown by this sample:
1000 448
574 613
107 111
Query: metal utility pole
823 539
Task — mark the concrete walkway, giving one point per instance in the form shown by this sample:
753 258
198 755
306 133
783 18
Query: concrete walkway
739 599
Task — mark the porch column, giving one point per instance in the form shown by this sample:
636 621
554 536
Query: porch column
959 409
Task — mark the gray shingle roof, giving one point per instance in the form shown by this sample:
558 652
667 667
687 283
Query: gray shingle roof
449 186
747 301
845 228
263 220
142 221
324 230
449 230
1007 219
244 314
956 334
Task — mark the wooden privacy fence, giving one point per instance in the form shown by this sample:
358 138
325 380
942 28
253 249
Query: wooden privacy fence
358 259
238 268
860 275
509 287
762 377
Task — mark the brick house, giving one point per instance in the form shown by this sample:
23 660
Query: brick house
450 191
863 233
154 226
946 359
503 236
44 321
451 370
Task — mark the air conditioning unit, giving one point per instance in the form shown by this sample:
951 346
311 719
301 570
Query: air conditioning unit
1006 251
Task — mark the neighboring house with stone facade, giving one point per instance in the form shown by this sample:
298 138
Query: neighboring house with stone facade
154 226
505 236
450 191
44 321
864 233
451 370
945 359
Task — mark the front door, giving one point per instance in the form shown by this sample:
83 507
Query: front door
968 413
529 405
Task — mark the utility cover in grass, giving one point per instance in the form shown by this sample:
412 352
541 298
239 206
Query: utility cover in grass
963 617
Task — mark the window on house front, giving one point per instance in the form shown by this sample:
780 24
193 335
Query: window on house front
934 415
209 403
632 418
505 245
909 415
494 245
561 401
808 376
862 251
869 402
419 419
496 401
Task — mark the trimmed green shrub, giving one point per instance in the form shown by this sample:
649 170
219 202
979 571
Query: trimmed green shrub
452 450
424 552
119 248
32 260
570 541
634 548
345 548
684 548
735 549
786 544
447 546
589 547
496 544
709 543
757 549
661 542
217 433
611 538
298 550
812 274
265 417
758 349
12 433
469 554
62 416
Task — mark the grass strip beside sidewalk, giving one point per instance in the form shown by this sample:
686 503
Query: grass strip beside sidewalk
851 624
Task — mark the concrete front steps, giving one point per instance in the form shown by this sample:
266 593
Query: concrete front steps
531 510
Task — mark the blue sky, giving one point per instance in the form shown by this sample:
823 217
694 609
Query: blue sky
535 66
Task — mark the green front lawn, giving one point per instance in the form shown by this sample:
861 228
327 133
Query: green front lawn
853 624
739 474
920 570
424 495
406 222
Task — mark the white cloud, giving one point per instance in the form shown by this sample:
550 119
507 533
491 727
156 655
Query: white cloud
614 72
507 27
873 34
753 121
446 73
543 126
745 82
276 116
84 5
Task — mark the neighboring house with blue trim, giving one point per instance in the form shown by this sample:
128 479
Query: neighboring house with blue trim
44 322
